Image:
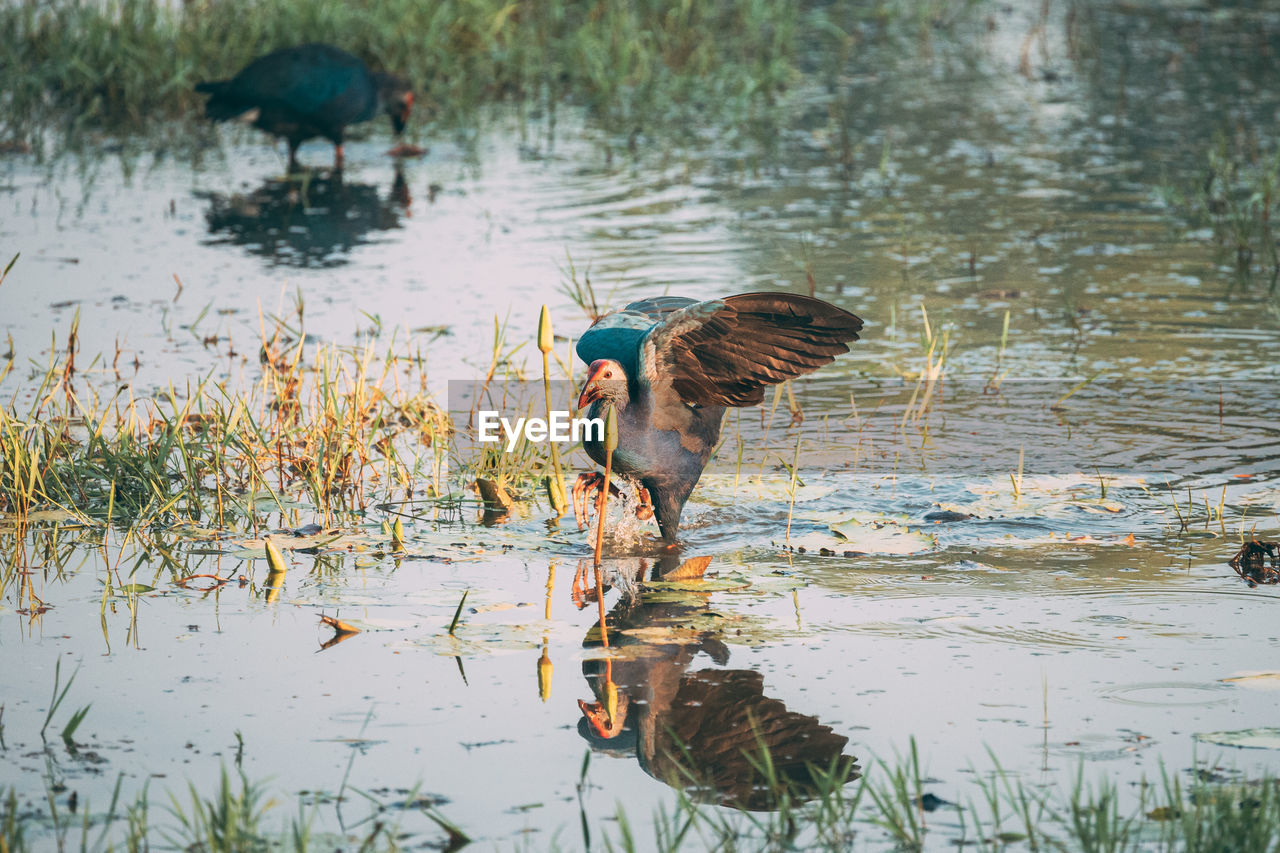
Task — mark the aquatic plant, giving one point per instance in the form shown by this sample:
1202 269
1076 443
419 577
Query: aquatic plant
338 427
127 61
1237 198
121 65
230 821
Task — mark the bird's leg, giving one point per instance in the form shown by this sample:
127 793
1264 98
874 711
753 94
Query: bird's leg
338 157
293 156
581 486
580 592
644 511
579 583
589 482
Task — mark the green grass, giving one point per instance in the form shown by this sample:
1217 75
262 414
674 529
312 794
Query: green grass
120 65
881 811
338 428
126 61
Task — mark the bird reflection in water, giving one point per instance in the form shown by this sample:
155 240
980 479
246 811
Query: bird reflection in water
701 729
307 218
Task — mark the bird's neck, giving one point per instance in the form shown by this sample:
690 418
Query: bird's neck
600 408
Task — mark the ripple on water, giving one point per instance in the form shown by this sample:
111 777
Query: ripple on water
1097 746
1168 694
1141 593
958 630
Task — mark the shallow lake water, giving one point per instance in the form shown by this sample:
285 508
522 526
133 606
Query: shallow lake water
1073 610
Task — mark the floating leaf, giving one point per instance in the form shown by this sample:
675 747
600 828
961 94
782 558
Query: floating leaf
724 491
338 625
663 634
499 606
1264 737
493 494
712 585
1257 680
1098 507
691 569
868 534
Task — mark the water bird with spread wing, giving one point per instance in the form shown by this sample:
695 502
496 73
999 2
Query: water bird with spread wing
307 91
670 367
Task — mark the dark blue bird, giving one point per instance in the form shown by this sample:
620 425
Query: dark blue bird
670 366
312 90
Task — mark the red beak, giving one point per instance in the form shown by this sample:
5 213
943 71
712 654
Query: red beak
591 391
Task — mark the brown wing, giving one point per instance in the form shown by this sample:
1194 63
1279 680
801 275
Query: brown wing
715 729
725 352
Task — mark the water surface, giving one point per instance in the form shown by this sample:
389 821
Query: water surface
1057 625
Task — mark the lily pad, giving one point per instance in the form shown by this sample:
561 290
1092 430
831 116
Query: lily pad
1098 507
484 639
691 569
631 651
1047 496
41 516
1258 680
707 585
725 490
195 532
664 634
868 533
1264 737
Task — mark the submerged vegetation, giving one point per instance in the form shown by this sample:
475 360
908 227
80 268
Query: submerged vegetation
1238 199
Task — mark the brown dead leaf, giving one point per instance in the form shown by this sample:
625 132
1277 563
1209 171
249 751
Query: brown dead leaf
494 494
690 570
338 625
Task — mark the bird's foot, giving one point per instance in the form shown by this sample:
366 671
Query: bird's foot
644 509
591 481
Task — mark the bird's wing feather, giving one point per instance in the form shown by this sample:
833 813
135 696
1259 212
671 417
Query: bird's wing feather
312 81
725 352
